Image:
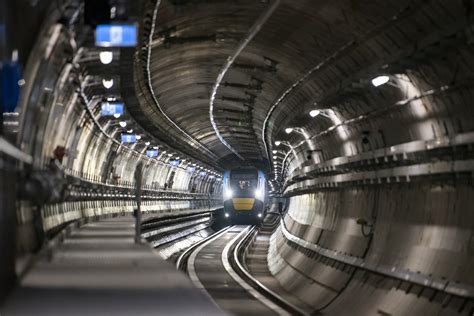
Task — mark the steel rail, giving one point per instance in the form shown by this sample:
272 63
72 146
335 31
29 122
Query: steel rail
184 256
244 284
259 286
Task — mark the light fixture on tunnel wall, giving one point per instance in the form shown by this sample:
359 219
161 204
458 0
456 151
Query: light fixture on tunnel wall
122 123
138 137
108 83
130 131
277 143
106 57
380 80
117 115
275 157
156 147
275 151
288 130
148 144
314 113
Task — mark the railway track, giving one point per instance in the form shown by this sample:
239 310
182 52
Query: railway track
216 265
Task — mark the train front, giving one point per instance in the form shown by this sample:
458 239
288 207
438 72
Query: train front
244 195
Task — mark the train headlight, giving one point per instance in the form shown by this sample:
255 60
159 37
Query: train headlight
259 194
259 215
228 194
226 214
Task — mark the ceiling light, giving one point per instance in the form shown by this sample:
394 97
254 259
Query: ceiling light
380 80
123 123
277 143
111 99
138 137
117 115
108 83
314 113
275 157
148 144
275 151
288 130
106 57
169 155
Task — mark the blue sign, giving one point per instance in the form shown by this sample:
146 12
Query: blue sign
129 138
152 153
174 163
9 86
116 35
202 173
111 108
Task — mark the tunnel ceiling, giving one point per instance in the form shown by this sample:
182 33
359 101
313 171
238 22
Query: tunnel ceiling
307 53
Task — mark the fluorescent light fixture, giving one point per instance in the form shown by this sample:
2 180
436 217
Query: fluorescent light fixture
275 151
106 57
130 131
275 157
111 108
380 80
139 137
148 144
108 83
277 143
288 130
117 115
129 138
152 153
314 113
122 123
116 35
169 155
174 163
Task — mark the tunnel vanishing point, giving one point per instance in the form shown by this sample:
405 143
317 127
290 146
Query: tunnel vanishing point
242 157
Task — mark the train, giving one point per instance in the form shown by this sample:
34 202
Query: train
244 195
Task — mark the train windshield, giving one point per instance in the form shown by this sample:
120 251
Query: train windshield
243 184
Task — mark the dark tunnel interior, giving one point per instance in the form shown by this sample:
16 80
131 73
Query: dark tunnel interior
130 127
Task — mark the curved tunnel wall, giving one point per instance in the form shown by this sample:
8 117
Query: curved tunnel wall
81 168
387 180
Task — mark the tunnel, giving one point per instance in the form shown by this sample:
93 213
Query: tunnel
125 124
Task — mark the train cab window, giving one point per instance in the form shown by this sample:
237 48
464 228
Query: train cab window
244 183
